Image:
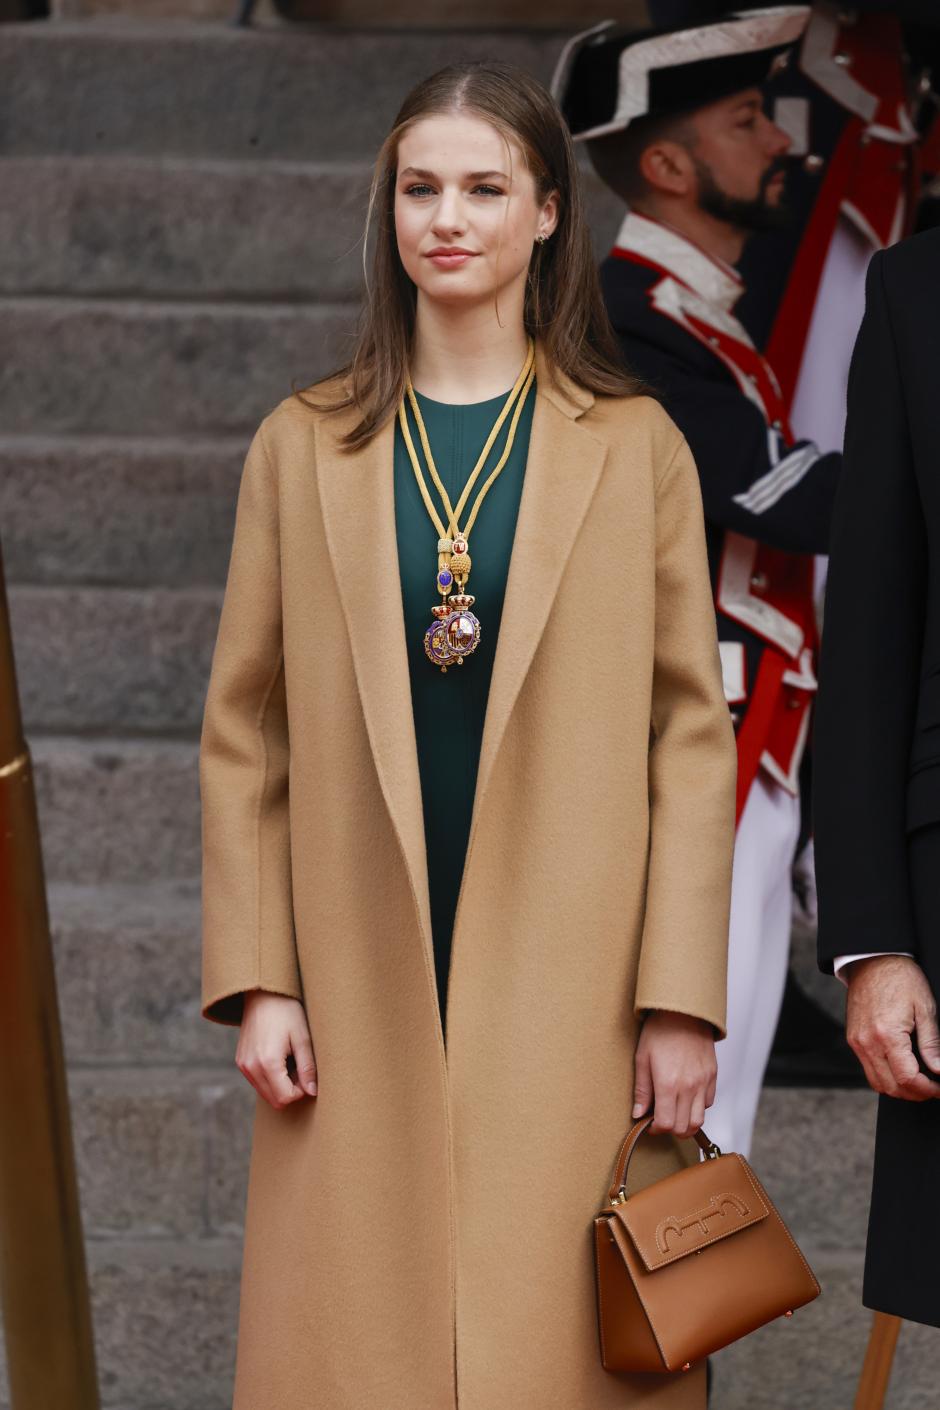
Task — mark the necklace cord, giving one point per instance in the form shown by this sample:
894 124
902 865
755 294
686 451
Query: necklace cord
514 402
503 458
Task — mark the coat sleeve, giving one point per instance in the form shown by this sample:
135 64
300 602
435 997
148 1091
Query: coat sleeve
753 481
692 771
870 661
248 932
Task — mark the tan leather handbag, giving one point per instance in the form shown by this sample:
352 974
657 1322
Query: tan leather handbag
691 1263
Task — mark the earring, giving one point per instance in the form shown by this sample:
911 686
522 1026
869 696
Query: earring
541 237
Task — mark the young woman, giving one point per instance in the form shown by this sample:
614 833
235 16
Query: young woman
419 1212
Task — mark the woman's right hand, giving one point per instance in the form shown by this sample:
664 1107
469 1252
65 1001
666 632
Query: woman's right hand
273 1029
676 1072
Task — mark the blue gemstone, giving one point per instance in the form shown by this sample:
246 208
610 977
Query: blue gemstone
445 578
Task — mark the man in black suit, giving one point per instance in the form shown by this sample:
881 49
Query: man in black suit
877 760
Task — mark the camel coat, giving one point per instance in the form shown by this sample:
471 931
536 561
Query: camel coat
418 1235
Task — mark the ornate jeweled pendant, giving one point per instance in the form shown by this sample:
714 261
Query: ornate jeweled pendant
449 639
456 631
435 644
454 634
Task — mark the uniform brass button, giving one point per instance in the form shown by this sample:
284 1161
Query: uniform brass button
759 581
814 162
843 59
794 702
776 425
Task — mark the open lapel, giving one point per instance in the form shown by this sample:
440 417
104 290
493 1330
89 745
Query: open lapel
562 473
357 495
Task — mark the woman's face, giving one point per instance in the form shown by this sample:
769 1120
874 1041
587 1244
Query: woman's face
466 209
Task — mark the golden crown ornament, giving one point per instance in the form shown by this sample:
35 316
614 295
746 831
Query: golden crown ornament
455 632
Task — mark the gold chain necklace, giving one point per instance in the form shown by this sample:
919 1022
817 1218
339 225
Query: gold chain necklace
455 632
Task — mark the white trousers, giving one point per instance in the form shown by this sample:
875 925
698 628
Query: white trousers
758 954
818 411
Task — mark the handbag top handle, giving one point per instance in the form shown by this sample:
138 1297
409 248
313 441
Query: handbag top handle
617 1192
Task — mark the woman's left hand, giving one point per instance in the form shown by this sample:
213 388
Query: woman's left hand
676 1072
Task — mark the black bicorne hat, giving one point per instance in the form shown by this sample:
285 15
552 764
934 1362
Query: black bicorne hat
609 76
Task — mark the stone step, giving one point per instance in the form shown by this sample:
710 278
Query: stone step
189 1291
276 230
147 226
158 1126
165 1323
151 1294
118 511
177 89
813 1361
127 962
117 810
176 1104
165 1313
161 1152
144 368
813 1150
118 660
160 9
413 13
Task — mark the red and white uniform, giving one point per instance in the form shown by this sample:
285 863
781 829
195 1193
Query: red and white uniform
768 500
849 113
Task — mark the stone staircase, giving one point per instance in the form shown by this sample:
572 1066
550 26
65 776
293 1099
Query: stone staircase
179 224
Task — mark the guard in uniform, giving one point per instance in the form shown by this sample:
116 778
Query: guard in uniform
859 103
767 496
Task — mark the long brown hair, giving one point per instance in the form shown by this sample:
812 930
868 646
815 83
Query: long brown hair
563 304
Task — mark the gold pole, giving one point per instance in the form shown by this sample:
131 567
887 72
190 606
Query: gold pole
879 1359
43 1283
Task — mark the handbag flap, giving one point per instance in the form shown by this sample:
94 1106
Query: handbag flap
688 1211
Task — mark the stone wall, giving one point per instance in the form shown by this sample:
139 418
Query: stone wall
154 9
412 13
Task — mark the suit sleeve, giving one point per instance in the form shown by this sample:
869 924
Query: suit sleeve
692 771
870 660
248 931
753 482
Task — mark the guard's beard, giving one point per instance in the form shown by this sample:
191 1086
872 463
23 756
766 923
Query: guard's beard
756 214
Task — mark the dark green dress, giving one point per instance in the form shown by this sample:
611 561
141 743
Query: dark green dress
449 710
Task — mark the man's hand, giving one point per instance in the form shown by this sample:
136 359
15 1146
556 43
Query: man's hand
676 1072
274 1029
889 1000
